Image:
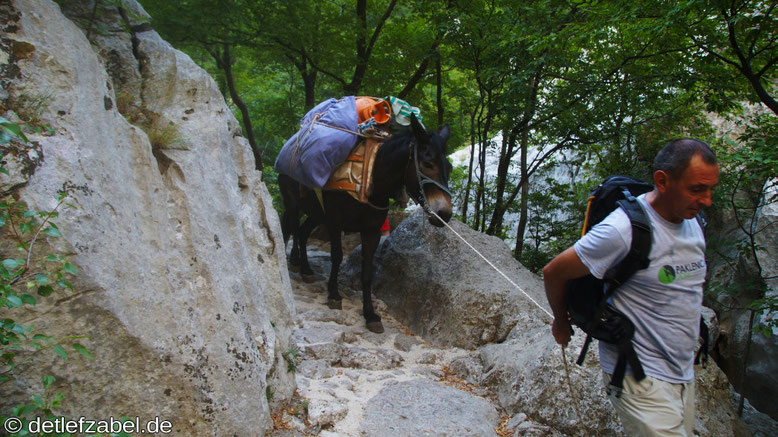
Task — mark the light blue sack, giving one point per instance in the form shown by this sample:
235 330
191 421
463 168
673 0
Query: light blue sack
310 155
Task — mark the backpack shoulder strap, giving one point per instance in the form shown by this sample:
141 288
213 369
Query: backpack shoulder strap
637 257
702 220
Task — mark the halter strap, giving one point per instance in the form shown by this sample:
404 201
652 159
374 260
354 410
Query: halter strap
424 180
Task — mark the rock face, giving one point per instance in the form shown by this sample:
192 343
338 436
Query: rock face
760 381
434 284
182 288
763 357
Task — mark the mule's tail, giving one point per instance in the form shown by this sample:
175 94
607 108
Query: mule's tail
290 194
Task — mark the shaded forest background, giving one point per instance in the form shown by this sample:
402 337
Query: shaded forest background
608 81
585 88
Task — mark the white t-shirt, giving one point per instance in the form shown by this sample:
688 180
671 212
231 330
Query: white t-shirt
663 300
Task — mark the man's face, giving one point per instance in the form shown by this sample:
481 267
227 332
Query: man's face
691 192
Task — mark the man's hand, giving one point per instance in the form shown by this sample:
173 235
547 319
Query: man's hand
562 331
556 273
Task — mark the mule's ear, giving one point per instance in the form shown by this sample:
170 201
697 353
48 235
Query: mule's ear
418 130
444 133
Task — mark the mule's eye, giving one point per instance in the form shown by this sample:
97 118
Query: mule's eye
428 165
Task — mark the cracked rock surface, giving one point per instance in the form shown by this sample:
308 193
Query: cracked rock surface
358 383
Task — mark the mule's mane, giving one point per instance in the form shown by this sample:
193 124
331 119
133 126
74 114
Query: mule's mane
395 145
398 143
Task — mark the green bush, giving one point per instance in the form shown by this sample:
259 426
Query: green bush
26 275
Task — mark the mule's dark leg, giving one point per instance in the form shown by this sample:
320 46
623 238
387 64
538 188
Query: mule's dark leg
301 241
370 241
290 219
334 299
294 255
289 224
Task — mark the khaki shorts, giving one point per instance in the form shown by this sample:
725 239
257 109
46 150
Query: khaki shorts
653 407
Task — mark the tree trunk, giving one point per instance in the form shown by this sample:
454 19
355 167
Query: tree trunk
469 168
500 207
225 63
439 93
741 401
418 75
363 46
746 68
524 196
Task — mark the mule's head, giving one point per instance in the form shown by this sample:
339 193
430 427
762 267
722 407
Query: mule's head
427 177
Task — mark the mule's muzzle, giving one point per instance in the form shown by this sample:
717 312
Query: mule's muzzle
441 206
445 215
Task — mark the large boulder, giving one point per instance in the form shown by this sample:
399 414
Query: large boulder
439 288
528 374
182 288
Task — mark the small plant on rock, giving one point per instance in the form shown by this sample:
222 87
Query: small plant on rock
292 358
26 275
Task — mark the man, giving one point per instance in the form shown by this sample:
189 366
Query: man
663 301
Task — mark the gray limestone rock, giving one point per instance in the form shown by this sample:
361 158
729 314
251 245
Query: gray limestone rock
321 412
182 288
441 290
425 408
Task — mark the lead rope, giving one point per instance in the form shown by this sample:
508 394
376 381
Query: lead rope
564 357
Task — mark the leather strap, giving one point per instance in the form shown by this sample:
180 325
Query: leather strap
340 185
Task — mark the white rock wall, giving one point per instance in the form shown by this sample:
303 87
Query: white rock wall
182 284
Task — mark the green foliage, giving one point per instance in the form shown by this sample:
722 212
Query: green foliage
292 358
608 82
42 406
9 131
164 136
555 218
25 277
768 306
28 110
270 178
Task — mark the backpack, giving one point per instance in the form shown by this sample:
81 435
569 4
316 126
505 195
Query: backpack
587 303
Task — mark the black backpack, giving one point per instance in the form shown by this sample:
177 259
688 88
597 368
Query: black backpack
586 301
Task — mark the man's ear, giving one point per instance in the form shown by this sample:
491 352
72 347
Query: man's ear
661 180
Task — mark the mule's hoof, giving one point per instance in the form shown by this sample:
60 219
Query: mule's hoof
376 327
308 279
335 304
293 268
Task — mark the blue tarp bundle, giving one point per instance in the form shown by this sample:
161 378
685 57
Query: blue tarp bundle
311 154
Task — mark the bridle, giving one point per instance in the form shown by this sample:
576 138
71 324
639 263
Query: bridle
422 180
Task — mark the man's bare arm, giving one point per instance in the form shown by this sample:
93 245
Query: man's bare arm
565 266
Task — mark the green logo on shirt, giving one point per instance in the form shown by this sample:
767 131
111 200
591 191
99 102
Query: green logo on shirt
666 274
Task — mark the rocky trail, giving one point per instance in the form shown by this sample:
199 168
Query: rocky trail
352 382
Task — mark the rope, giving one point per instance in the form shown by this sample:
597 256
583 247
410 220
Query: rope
493 266
316 121
564 357
573 393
